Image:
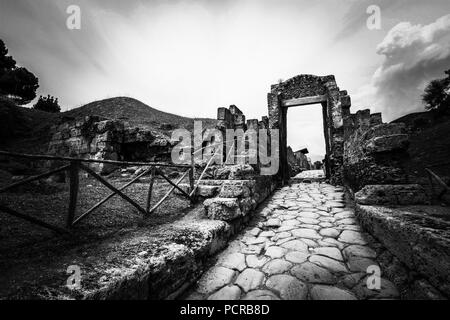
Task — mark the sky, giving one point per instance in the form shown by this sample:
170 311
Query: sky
191 57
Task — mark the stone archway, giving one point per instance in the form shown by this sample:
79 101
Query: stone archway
304 90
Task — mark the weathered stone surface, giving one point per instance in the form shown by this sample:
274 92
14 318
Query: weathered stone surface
308 220
387 143
214 279
252 249
321 292
225 209
273 223
255 232
326 224
310 215
226 293
305 233
406 194
296 245
344 215
353 279
260 295
254 261
353 237
330 252
234 261
415 236
281 235
387 290
254 240
289 287
329 232
275 252
297 256
267 234
328 263
235 172
310 243
359 264
235 189
250 279
312 273
359 251
276 266
346 221
292 222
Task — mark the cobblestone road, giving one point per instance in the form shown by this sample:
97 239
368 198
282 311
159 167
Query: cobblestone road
304 244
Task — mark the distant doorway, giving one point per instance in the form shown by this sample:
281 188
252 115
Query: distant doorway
306 136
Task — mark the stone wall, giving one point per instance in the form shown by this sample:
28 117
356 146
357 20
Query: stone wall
374 152
98 138
418 247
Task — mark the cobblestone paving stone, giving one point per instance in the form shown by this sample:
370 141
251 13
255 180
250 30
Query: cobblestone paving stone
305 244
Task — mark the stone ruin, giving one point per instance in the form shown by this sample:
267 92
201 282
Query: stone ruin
93 137
360 149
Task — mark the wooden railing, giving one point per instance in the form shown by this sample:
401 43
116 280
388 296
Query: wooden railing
73 169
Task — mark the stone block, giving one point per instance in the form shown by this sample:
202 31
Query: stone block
235 110
104 137
376 119
224 209
235 189
239 121
235 172
203 191
415 235
224 114
387 143
406 194
252 124
346 102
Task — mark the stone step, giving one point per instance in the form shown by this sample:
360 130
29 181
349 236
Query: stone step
204 191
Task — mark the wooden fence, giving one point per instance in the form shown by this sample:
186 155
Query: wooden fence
73 168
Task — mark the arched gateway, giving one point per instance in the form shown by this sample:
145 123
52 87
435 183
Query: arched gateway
305 90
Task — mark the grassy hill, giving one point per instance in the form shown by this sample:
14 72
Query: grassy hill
135 113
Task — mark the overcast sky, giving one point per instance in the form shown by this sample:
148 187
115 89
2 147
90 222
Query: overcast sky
190 57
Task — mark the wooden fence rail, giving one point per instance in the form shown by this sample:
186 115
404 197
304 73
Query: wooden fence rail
73 170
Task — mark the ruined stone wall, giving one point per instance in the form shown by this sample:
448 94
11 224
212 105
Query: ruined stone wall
303 161
94 137
374 152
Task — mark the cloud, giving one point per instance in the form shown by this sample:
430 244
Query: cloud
413 55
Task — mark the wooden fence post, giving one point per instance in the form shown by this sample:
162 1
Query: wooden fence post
74 182
150 189
192 172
